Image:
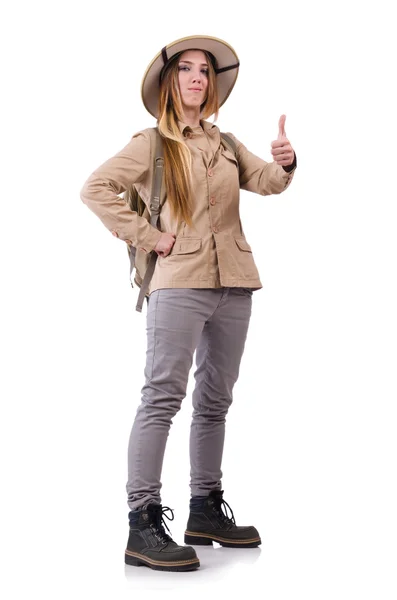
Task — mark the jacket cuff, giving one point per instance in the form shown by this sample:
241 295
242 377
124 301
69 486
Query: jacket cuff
151 240
148 237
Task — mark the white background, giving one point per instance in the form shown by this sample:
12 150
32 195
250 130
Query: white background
310 454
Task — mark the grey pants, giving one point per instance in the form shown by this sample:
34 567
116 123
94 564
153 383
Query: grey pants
214 323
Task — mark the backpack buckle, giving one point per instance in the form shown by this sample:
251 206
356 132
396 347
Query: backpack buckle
155 206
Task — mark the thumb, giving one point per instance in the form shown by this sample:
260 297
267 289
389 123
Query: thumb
281 125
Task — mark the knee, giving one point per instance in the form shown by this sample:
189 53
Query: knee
214 408
159 402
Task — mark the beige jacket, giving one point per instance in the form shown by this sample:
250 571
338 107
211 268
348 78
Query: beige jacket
212 253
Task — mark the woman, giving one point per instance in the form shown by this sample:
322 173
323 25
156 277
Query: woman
200 295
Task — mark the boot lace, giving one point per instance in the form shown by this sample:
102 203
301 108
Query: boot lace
157 525
221 507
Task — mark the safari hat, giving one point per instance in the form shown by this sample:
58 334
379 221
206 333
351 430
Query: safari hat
226 65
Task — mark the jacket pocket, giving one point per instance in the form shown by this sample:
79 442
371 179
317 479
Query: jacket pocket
243 244
243 261
185 246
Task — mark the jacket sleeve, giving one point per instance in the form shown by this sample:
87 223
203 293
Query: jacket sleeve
259 176
100 193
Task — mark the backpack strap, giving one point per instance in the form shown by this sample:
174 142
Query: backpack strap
155 208
157 181
229 143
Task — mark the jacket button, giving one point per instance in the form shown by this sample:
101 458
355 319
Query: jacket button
215 229
210 172
212 200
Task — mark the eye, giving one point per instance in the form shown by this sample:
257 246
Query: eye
184 68
205 71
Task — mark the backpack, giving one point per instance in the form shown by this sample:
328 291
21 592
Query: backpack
144 263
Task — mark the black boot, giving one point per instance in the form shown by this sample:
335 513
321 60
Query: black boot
149 544
208 523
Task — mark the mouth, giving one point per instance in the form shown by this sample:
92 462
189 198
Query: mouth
195 89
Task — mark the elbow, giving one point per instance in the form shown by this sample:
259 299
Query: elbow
83 194
86 191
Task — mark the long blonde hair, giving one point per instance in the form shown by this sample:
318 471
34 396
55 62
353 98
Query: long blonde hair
177 157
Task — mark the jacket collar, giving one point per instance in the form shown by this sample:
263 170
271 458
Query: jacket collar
208 127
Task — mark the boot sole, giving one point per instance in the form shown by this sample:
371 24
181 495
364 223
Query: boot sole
139 560
193 538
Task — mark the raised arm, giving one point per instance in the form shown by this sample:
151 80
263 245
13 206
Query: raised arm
265 178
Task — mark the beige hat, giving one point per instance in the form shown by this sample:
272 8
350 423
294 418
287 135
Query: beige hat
226 67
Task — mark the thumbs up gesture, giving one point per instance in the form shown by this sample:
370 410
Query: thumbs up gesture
282 151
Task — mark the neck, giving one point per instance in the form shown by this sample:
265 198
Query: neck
191 116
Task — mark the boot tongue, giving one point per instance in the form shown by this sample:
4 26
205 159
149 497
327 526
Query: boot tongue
155 517
215 499
155 513
150 513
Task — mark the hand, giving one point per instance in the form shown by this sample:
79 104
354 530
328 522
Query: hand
165 243
282 151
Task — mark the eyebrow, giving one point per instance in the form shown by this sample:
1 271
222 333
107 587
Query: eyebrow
190 63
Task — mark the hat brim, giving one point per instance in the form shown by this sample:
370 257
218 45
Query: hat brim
225 57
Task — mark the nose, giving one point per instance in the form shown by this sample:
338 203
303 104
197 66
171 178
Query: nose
196 77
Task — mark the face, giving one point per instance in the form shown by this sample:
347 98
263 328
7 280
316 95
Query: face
193 78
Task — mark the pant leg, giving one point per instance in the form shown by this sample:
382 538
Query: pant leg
218 358
175 320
